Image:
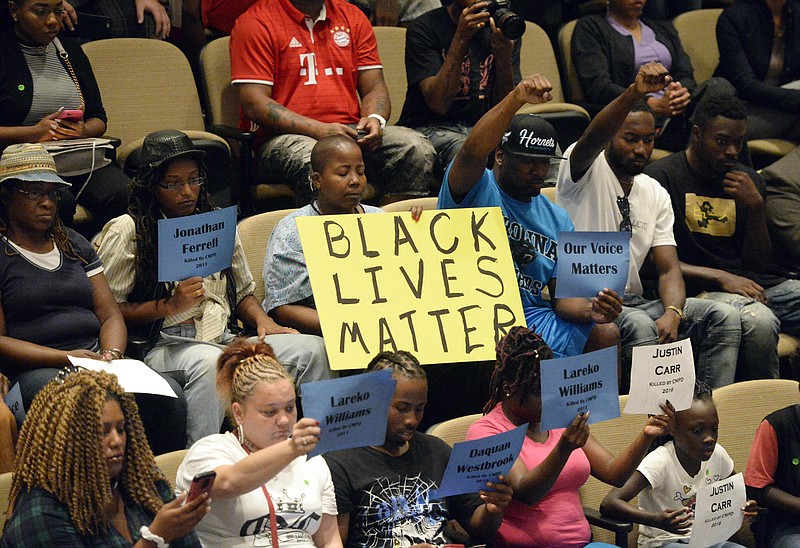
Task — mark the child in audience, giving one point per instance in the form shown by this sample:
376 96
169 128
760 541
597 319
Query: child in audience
670 476
772 476
553 464
384 493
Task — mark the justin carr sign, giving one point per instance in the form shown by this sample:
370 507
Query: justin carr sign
443 288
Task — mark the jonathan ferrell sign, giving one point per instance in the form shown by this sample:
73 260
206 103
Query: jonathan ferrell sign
443 288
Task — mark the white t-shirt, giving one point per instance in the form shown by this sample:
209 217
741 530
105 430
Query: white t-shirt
671 487
301 493
592 205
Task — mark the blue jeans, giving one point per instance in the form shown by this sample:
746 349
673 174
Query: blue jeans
784 535
448 138
402 166
761 325
713 328
194 366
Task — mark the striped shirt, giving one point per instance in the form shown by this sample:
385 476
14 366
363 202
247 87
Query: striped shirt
53 87
210 316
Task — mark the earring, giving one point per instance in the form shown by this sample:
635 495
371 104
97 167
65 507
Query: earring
240 433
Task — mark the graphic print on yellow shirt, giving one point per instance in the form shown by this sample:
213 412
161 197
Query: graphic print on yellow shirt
712 216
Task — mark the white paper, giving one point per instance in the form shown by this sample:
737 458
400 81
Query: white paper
132 375
792 85
718 511
659 373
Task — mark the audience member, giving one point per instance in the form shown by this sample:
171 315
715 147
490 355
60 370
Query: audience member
523 146
323 72
8 433
602 187
668 478
783 210
554 464
772 477
337 176
394 13
171 183
458 66
608 51
126 18
385 494
41 75
721 231
54 298
267 491
759 53
86 477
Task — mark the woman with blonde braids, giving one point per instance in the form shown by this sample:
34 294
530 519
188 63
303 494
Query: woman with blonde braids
267 492
85 475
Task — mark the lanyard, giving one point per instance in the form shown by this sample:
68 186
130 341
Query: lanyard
273 522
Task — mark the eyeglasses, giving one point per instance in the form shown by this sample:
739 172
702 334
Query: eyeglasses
38 195
174 187
625 208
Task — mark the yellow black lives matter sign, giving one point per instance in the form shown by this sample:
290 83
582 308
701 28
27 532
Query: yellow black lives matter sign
443 288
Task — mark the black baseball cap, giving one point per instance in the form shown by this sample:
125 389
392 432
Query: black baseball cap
531 136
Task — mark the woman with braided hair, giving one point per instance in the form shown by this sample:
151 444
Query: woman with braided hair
85 475
386 494
553 464
178 319
267 491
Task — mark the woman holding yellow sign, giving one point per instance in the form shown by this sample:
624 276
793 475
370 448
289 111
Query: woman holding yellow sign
338 178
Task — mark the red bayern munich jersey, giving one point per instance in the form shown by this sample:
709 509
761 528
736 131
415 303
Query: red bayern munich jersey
313 73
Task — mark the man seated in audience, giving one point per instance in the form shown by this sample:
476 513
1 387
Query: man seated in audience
783 210
394 13
602 187
458 66
523 146
772 476
721 231
300 67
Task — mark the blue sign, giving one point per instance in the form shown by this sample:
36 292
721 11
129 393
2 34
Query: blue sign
591 261
587 382
196 245
473 463
352 411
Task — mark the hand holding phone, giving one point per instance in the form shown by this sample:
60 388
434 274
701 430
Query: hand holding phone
202 483
71 115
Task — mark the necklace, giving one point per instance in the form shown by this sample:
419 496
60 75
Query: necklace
315 207
114 484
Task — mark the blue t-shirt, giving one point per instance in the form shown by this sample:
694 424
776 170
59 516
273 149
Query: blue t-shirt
532 229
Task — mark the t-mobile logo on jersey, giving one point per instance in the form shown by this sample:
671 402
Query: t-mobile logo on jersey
308 67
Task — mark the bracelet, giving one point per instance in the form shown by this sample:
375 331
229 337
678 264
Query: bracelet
379 118
152 537
115 352
677 311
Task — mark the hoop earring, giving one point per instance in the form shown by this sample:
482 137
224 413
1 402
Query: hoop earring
240 433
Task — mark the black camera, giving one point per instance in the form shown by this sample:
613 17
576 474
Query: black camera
511 24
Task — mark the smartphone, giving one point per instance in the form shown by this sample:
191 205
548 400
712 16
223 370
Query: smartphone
202 483
71 115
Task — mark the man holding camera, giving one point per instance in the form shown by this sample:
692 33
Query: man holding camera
459 64
523 147
300 67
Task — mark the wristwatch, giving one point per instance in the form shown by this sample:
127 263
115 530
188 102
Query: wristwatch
379 118
152 537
